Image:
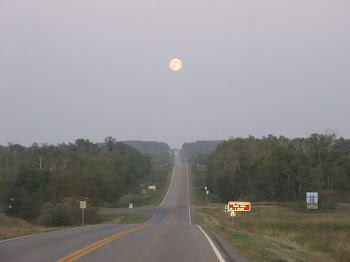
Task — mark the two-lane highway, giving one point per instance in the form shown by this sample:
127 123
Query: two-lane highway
168 236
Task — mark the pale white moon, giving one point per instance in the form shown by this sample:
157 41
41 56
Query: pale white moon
175 64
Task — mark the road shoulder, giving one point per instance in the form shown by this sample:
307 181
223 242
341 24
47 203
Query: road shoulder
228 252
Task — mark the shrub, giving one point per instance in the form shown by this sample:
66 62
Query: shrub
57 215
328 199
91 216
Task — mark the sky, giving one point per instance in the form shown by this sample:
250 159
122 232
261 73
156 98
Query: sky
74 69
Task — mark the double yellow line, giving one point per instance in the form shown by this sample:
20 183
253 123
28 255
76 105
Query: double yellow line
74 256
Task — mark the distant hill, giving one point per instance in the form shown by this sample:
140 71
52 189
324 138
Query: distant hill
199 148
159 151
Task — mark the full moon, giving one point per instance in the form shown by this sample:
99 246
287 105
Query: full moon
175 64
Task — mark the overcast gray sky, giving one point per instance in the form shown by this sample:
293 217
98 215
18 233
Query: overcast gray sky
89 69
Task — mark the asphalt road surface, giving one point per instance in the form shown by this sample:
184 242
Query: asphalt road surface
168 236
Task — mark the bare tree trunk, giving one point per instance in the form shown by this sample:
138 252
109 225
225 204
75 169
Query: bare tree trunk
40 161
319 158
328 181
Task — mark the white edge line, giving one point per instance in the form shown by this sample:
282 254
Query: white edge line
55 231
150 219
188 190
171 181
217 253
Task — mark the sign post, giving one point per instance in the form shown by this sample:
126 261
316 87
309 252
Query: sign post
130 207
82 206
207 192
233 214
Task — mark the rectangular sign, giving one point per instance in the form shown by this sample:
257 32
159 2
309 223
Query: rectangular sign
238 206
233 213
312 197
312 206
152 188
226 209
131 205
82 204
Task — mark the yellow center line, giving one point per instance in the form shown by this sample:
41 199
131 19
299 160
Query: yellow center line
177 197
88 249
170 219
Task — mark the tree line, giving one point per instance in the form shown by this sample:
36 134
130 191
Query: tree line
47 178
159 151
191 150
278 168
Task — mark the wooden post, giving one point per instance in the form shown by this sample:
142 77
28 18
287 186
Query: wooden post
82 217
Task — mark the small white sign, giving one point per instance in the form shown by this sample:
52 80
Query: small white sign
205 188
131 205
152 188
207 192
233 213
82 204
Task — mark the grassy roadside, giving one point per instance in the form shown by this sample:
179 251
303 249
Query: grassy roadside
160 176
283 233
13 227
198 182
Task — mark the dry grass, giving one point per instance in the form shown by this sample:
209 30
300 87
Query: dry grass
284 234
14 227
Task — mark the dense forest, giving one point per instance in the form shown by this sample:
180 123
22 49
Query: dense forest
278 168
51 179
159 151
198 151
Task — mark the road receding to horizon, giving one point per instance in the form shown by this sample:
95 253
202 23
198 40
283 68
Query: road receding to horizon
168 236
